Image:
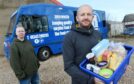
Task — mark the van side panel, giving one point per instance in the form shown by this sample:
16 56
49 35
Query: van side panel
60 21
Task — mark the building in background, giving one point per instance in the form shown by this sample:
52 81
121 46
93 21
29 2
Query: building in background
128 22
115 28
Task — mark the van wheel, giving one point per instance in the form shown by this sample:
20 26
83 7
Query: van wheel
44 54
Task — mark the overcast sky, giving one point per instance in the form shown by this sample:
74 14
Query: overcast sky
115 9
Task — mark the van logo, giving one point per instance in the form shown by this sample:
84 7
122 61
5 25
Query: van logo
36 41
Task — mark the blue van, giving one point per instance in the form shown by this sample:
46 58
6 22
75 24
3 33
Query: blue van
46 25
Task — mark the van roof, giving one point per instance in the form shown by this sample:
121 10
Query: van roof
38 9
43 9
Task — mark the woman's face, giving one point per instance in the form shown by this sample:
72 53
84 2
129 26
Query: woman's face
20 32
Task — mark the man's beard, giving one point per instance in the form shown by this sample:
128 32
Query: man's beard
85 26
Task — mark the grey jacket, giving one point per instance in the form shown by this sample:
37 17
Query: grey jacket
77 43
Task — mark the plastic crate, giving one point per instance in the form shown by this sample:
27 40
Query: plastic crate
117 73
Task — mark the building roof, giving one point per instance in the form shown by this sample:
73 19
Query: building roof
128 18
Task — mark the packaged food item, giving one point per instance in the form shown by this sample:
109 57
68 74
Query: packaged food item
93 68
107 73
106 55
102 64
100 47
115 61
118 48
99 58
91 58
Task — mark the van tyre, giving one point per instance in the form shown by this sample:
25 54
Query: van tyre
44 54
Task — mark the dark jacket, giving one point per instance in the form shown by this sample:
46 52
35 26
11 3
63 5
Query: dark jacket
77 43
23 59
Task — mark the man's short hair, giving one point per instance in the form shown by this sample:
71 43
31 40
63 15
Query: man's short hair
85 5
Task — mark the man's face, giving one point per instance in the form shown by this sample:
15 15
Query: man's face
84 17
20 32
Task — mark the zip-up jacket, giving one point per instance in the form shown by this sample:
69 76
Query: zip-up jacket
77 43
23 59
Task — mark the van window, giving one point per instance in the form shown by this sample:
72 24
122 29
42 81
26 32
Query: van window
11 25
33 24
95 22
76 23
75 13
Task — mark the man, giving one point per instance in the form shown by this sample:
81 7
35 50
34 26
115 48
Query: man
77 43
23 60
